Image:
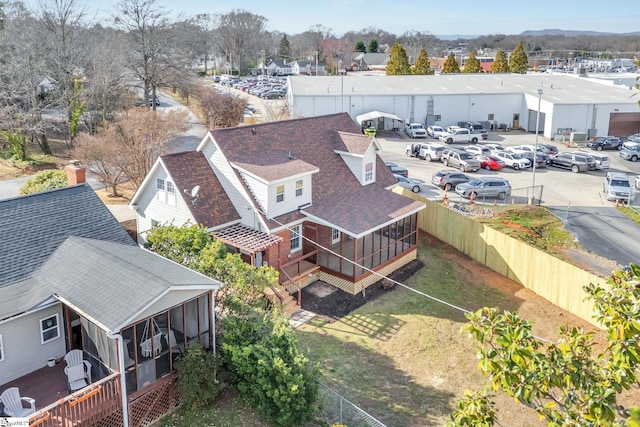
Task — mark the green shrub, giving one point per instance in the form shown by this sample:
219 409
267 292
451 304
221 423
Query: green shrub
198 384
45 180
260 352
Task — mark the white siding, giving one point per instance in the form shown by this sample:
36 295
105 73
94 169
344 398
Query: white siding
259 189
355 165
291 202
23 348
231 185
150 208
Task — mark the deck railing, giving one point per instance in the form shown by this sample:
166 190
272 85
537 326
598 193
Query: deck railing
84 407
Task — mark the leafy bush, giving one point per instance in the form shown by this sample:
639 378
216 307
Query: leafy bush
45 180
260 351
198 383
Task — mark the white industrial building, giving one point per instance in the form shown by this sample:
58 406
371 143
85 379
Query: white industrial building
567 101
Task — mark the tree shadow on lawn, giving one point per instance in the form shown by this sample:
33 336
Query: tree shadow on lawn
372 381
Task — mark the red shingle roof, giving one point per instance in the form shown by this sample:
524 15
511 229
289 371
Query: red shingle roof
338 196
190 168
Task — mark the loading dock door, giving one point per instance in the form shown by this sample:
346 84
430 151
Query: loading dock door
624 124
531 125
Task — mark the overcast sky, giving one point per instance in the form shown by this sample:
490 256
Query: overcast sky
437 17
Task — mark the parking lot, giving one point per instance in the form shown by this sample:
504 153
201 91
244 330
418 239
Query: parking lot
561 187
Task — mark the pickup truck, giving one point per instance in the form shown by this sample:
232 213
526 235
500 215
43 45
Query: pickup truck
460 135
415 130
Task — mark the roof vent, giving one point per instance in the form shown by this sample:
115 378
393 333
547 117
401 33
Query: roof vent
253 131
290 155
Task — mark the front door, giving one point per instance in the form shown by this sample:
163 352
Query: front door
516 121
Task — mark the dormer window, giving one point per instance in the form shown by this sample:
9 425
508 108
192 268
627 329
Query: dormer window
368 172
299 188
280 194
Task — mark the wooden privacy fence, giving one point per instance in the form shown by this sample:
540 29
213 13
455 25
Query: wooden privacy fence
553 279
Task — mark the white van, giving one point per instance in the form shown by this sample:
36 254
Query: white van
602 160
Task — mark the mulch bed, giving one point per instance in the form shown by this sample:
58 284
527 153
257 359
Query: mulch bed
331 303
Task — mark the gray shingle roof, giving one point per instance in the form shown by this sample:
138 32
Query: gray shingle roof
111 281
32 227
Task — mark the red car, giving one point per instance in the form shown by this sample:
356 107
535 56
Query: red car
490 163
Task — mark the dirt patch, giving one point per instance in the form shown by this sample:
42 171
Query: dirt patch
331 303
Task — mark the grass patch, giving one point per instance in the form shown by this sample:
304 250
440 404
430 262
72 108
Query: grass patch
534 225
401 357
630 213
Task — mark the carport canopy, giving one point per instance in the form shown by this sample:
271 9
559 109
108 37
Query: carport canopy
375 115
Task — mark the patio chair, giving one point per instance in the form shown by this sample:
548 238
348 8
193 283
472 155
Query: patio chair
75 357
173 343
77 377
13 406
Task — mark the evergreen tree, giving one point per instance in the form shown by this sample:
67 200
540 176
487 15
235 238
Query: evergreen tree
398 64
360 47
284 51
518 61
450 65
500 64
373 46
422 66
472 65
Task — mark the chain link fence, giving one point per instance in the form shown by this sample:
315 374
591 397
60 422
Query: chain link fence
519 196
334 408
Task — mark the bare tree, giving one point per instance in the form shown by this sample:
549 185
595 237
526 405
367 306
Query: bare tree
22 70
240 37
199 37
145 23
221 109
127 148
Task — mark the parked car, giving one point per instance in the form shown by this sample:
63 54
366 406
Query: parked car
616 186
591 161
631 152
408 183
575 162
448 179
435 131
415 130
475 127
153 100
495 146
630 143
427 151
542 159
549 149
605 143
601 160
490 162
477 149
396 169
459 159
513 160
485 187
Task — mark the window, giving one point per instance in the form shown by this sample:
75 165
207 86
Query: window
299 188
49 328
438 118
1 350
490 117
368 172
171 193
296 239
280 194
335 235
160 189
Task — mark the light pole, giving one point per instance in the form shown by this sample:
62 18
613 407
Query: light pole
535 151
316 63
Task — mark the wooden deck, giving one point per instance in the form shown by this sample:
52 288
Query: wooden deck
45 386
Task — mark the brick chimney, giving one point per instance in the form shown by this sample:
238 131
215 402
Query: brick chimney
76 174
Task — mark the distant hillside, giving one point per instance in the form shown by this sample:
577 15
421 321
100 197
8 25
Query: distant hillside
558 32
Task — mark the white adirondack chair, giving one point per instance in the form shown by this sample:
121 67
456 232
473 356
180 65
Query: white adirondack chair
77 377
75 357
13 406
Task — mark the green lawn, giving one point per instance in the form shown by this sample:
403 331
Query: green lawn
402 357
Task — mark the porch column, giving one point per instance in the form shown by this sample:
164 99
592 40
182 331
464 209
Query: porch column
212 316
123 381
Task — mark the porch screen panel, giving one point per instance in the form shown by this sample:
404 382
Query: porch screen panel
203 316
176 317
163 365
191 320
98 345
130 355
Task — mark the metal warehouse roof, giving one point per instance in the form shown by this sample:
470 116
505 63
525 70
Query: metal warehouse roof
558 89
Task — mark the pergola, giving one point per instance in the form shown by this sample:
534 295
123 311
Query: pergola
246 239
